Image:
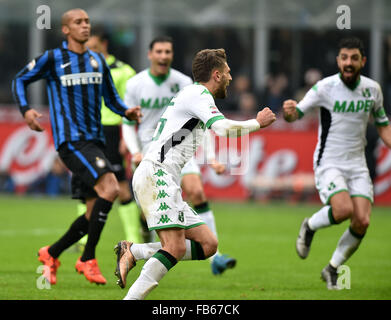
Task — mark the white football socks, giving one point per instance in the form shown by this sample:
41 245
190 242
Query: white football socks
152 272
320 219
347 245
209 219
144 251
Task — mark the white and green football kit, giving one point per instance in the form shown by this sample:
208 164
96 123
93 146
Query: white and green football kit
180 131
153 95
339 157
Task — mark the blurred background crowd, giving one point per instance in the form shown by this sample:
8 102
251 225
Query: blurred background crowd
276 49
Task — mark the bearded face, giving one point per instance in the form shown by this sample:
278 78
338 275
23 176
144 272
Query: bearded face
350 62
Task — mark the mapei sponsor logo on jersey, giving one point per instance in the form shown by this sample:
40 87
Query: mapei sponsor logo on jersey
156 103
353 106
84 78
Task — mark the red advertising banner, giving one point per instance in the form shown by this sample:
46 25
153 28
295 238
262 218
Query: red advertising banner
266 163
25 155
281 162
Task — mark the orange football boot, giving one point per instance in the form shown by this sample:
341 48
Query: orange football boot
50 263
90 270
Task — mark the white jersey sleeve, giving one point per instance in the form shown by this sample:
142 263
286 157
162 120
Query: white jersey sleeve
378 112
313 98
130 99
205 109
130 137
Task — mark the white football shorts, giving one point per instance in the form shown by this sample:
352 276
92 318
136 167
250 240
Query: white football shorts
158 194
332 180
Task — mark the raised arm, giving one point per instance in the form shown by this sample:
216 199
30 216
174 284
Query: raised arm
232 128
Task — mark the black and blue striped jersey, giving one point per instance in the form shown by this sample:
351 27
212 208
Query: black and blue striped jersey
75 86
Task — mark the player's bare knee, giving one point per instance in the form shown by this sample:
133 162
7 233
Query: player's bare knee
210 247
124 194
342 211
107 188
177 250
112 190
360 225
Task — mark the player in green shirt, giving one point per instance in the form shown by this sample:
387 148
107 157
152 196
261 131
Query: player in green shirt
121 73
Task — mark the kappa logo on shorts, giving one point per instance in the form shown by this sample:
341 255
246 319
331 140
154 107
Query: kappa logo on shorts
160 183
164 219
331 186
100 163
162 194
164 206
159 173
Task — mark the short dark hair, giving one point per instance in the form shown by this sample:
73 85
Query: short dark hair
100 33
205 61
352 43
161 39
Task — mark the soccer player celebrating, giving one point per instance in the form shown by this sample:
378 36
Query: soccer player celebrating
77 78
152 89
183 234
345 101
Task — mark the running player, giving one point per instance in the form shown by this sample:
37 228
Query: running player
181 129
152 89
121 73
345 101
77 78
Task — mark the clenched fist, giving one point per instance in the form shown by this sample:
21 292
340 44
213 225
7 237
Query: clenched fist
289 108
218 167
265 117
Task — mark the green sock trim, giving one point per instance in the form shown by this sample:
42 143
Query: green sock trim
197 253
164 259
193 250
202 208
355 234
331 218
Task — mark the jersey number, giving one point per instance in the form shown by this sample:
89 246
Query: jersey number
159 129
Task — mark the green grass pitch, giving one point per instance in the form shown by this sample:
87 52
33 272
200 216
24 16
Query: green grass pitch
260 236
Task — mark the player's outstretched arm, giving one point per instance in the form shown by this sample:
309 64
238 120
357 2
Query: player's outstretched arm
385 134
289 109
232 128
